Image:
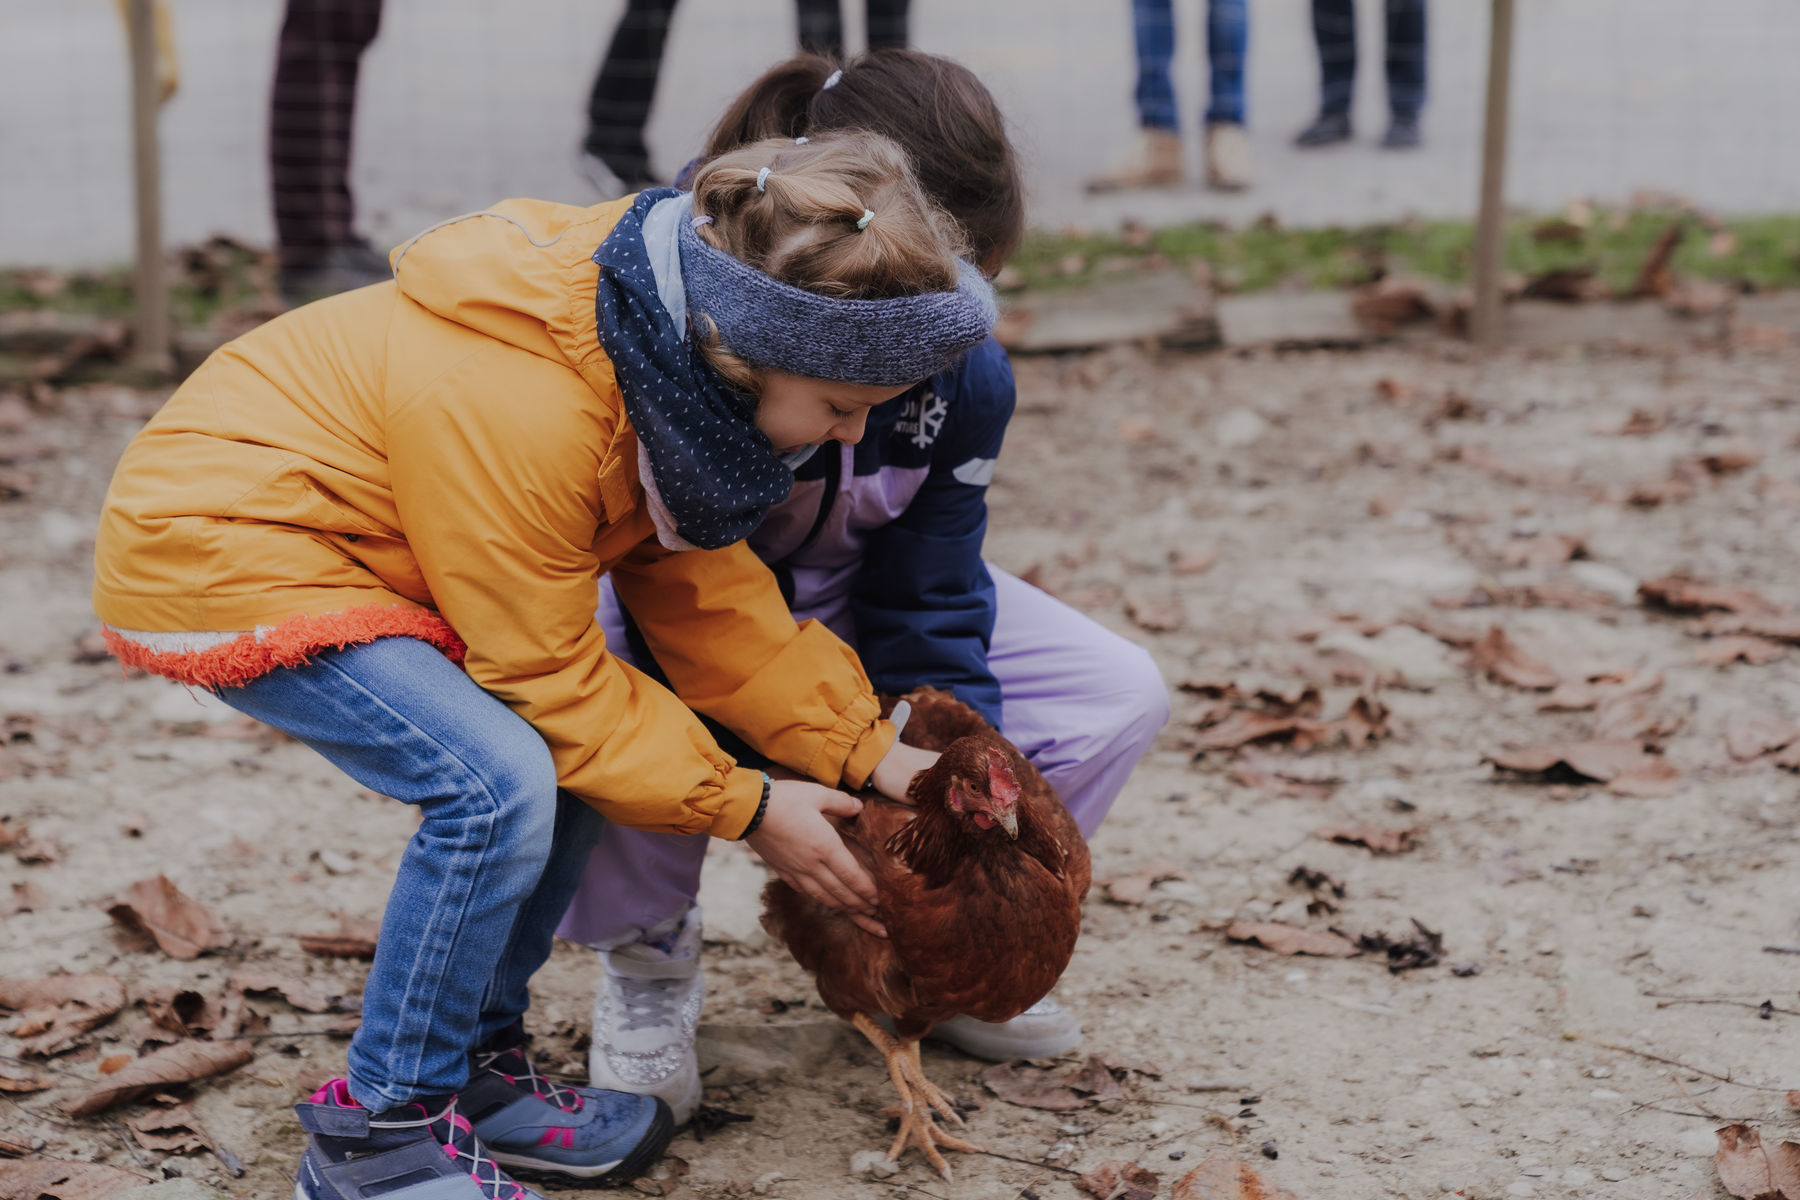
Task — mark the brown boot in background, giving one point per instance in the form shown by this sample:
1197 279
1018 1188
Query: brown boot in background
1227 158
1154 161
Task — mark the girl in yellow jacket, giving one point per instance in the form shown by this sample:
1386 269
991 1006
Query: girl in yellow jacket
377 523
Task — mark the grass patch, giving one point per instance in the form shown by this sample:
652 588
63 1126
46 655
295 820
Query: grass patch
1760 252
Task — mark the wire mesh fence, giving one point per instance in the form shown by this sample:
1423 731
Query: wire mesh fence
463 102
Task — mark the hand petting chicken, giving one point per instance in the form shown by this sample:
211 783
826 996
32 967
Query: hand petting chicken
980 878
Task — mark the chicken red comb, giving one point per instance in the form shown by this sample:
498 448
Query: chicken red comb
1003 785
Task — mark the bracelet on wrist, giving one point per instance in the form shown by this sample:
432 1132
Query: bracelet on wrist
762 808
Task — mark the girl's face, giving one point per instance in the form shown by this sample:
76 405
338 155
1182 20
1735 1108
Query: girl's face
797 411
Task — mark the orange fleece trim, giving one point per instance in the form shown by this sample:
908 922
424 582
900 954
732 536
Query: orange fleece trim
291 643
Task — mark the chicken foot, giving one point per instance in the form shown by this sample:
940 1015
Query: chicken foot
918 1096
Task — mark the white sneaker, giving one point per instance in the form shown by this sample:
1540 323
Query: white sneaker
645 1013
1044 1030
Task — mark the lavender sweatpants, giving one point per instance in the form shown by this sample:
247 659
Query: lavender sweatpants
1081 702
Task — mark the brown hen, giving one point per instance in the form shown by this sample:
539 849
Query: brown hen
980 878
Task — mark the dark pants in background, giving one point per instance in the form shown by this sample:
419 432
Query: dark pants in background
311 114
625 88
822 25
1334 28
619 106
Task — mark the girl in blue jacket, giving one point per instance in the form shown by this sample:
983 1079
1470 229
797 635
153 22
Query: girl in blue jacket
881 541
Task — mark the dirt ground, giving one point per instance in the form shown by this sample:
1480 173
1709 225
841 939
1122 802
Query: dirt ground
1554 1050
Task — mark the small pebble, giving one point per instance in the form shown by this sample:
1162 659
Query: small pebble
1614 1174
336 862
873 1163
1177 1155
1599 1072
764 1183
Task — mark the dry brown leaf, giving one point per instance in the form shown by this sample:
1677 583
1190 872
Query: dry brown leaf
1778 626
355 939
61 1009
1753 1170
113 1063
1377 838
1683 594
1396 391
175 1130
184 1062
1103 1181
301 994
1652 777
23 1083
1192 562
1222 1177
1595 761
662 1178
1501 658
1543 550
181 927
54 1179
1134 887
1731 458
1634 715
1032 1087
1653 277
1366 720
1155 612
1717 652
1757 736
1263 778
1390 302
1291 939
1568 284
1244 726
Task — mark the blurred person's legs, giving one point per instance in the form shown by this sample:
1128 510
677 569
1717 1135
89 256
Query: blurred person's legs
1227 45
1154 159
312 112
624 89
1334 31
1405 72
822 25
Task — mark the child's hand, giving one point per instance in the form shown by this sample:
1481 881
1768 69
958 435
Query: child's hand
798 839
894 773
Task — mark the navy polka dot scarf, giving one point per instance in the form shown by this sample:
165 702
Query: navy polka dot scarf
712 474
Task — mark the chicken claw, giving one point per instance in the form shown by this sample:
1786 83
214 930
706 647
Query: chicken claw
918 1096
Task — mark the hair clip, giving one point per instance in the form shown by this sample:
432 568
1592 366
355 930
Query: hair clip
868 215
762 179
697 222
800 141
831 81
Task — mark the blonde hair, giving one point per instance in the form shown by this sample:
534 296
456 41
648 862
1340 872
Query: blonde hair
840 216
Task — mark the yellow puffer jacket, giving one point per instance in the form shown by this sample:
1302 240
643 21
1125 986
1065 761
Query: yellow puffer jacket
447 457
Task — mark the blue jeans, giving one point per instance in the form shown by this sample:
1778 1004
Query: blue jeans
1227 39
484 880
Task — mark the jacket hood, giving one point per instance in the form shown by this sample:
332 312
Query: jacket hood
519 272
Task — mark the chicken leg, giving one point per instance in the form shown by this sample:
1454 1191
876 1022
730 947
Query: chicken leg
918 1096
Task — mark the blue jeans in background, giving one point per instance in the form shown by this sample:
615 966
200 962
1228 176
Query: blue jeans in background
1227 39
484 880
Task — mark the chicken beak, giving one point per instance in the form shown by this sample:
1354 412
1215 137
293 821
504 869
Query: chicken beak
1009 821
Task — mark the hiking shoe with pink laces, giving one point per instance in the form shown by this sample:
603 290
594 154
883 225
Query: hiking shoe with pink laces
529 1123
407 1153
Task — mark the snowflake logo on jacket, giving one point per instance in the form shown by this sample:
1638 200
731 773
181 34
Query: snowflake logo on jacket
923 418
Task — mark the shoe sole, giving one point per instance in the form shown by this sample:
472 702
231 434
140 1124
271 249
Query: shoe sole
656 1140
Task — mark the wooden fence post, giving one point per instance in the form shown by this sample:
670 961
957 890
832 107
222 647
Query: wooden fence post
150 337
1490 225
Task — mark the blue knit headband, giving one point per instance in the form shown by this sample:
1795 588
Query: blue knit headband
884 343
